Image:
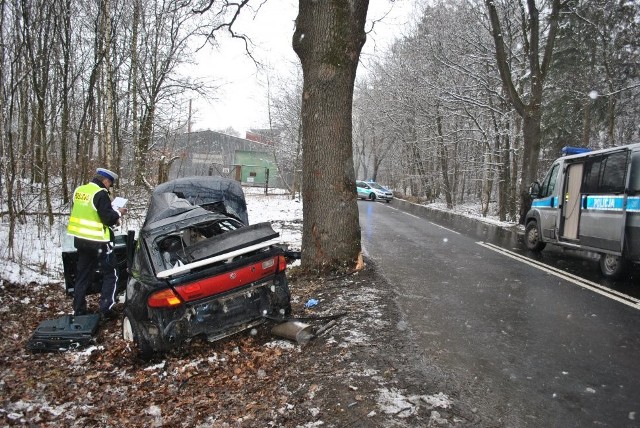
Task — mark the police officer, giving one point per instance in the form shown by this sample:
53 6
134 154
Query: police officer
90 223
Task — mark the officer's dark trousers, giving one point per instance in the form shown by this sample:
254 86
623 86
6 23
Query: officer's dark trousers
88 260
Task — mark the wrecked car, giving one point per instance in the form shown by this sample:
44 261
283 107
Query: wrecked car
199 268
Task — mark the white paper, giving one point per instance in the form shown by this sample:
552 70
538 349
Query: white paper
119 202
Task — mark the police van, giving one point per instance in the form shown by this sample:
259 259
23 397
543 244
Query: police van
590 200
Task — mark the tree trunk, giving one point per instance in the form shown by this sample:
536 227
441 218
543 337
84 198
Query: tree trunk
586 121
144 142
133 77
611 121
504 172
65 37
538 69
109 111
444 159
328 39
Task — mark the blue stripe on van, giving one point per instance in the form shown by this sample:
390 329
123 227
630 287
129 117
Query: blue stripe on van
633 204
544 202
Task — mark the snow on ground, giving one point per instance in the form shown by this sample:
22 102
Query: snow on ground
278 207
38 260
38 250
394 402
473 211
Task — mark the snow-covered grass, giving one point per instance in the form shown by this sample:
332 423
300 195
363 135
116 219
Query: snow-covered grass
38 260
38 249
473 211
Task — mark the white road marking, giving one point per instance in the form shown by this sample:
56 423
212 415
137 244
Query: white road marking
430 222
442 227
586 284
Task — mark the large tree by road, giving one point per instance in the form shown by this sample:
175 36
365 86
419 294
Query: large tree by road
529 106
328 39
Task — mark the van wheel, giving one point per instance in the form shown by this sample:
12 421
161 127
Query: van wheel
532 237
372 196
132 333
612 266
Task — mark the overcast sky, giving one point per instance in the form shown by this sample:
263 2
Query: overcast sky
241 103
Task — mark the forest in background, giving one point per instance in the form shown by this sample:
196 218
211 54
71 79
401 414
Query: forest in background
433 119
89 83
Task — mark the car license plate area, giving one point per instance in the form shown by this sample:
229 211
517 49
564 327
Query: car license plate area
215 315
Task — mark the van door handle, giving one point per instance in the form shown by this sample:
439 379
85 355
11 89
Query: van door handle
551 203
584 202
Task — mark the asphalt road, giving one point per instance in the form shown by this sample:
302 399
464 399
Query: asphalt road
527 343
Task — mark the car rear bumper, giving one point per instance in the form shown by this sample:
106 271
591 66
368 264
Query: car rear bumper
217 316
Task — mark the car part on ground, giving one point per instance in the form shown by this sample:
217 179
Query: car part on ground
64 333
294 330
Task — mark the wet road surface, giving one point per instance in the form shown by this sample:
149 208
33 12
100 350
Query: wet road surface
526 343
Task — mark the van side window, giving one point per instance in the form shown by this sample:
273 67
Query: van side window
614 173
591 176
634 180
549 183
605 174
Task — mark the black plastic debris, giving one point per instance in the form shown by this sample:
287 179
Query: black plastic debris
64 333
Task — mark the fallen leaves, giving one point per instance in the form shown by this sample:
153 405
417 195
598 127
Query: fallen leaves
246 380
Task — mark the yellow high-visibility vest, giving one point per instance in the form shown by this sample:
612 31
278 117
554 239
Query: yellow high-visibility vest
85 222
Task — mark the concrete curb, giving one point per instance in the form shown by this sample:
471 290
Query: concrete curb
461 223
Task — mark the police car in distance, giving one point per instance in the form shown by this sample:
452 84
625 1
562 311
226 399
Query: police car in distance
373 191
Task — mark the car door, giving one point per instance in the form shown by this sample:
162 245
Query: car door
571 205
603 201
363 189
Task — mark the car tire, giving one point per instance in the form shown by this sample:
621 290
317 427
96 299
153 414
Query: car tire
532 237
372 196
388 200
612 266
131 332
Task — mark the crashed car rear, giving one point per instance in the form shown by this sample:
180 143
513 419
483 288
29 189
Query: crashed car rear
199 269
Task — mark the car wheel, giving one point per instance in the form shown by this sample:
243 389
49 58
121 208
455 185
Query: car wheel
131 332
388 200
372 196
612 266
532 237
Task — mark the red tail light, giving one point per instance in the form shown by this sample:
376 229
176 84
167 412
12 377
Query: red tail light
164 299
227 281
282 264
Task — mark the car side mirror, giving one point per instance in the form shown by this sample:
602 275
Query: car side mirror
534 190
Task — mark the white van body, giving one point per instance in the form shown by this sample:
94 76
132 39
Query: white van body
590 201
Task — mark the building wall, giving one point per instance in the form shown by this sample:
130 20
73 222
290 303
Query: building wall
214 153
254 166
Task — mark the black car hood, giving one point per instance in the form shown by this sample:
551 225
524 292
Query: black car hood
211 192
169 213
